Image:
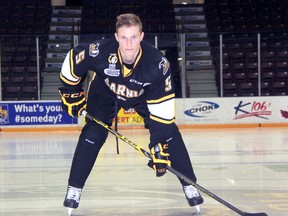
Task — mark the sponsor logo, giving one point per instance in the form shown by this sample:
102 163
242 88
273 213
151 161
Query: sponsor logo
4 117
201 109
135 81
253 109
130 111
284 114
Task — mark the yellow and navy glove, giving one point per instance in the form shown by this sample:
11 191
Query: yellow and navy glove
73 101
160 158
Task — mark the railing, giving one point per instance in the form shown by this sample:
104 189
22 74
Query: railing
263 64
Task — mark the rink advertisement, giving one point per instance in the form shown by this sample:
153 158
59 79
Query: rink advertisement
33 113
235 110
189 111
129 117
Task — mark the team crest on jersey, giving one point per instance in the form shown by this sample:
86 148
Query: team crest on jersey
164 64
111 70
94 49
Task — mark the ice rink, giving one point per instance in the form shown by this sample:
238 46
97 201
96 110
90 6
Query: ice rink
248 168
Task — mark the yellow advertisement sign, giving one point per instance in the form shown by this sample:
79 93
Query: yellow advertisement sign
129 117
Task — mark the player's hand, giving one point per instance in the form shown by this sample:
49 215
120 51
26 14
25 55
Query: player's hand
160 158
73 101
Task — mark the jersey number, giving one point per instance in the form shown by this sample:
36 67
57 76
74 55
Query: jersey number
168 84
80 57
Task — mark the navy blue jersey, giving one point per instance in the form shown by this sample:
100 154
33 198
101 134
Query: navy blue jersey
146 86
148 81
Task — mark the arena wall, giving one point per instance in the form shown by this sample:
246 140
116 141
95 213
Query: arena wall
190 113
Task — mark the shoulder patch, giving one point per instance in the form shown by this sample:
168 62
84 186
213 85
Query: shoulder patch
164 64
94 49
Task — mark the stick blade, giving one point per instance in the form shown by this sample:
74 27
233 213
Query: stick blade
254 214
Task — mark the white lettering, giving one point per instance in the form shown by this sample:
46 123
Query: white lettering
122 90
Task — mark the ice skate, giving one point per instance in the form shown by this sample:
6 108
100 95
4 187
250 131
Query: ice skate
193 197
72 198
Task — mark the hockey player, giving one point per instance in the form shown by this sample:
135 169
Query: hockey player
136 75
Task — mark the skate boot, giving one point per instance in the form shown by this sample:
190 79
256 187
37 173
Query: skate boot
193 196
72 198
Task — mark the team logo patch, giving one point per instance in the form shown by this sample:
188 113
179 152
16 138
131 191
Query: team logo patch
113 59
164 64
94 49
4 117
111 70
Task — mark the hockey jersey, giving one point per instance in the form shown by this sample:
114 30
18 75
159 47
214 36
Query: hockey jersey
147 82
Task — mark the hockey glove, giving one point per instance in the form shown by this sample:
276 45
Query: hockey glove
73 101
160 158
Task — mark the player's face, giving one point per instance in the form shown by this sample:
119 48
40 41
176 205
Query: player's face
129 38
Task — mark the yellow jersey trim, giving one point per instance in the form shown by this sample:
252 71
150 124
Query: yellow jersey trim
125 71
71 66
162 120
161 99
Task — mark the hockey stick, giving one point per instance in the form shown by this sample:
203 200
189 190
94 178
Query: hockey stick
175 172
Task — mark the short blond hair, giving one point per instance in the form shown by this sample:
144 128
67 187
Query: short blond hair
128 19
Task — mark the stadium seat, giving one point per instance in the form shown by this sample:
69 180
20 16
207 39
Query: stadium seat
237 68
282 56
267 75
5 71
5 80
251 57
281 66
279 88
30 80
6 61
13 92
227 77
245 88
265 89
31 70
20 61
229 87
29 92
281 76
239 77
251 67
17 80
252 76
18 71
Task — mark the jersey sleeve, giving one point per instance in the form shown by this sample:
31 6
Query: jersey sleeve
75 67
161 97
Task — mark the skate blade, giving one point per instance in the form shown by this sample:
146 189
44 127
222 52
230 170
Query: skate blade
70 211
197 209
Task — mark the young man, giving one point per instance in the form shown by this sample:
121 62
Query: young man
136 75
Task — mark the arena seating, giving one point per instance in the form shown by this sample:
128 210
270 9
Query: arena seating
20 22
98 16
239 22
